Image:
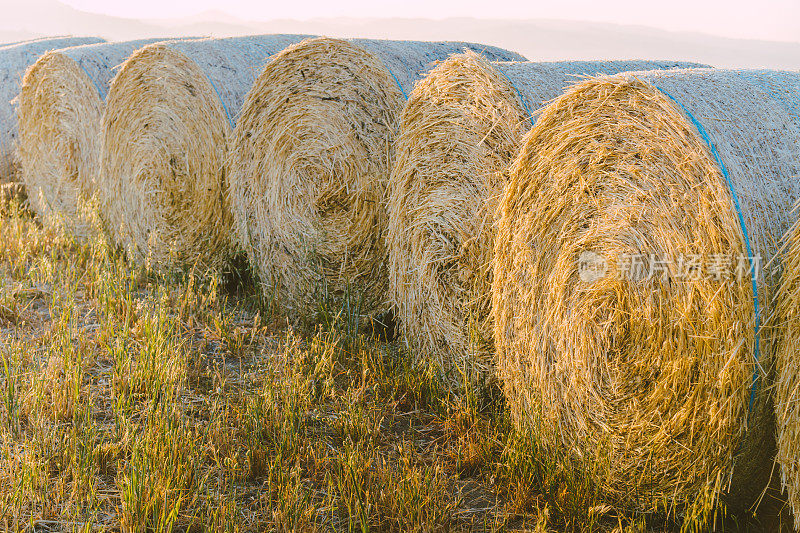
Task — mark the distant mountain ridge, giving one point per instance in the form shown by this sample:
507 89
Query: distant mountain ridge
542 40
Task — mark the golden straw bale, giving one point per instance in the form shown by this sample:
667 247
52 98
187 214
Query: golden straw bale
14 60
629 328
310 162
461 128
60 111
169 114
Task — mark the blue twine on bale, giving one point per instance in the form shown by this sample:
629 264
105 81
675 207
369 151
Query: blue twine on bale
397 82
718 159
100 91
225 107
519 93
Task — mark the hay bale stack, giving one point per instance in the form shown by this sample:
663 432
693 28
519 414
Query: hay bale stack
169 113
627 319
461 128
310 162
14 60
60 112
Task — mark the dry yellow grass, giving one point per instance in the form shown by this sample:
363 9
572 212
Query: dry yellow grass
144 403
11 195
133 401
60 111
651 376
460 130
169 115
310 162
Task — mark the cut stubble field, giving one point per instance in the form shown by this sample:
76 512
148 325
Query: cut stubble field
134 401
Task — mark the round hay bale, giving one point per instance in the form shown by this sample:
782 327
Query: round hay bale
14 61
169 114
629 327
60 112
460 129
310 161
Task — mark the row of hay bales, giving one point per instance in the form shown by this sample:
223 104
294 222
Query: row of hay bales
660 390
460 195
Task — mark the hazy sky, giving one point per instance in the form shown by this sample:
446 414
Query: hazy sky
762 19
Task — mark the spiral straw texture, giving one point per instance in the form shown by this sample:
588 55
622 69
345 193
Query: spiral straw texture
169 115
310 162
460 130
60 114
14 61
629 326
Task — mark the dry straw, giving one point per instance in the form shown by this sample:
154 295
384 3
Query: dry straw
14 60
624 305
310 162
11 194
169 114
60 112
787 401
461 128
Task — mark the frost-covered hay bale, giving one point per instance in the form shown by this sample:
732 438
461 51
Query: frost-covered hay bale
461 128
628 323
169 114
14 60
60 113
310 162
